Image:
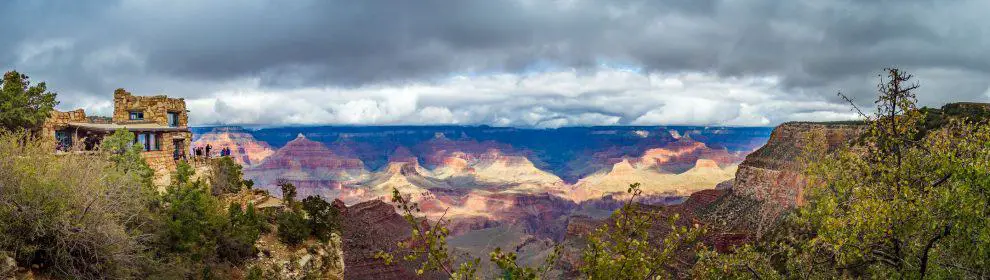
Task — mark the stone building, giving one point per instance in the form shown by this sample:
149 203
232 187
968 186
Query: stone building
159 123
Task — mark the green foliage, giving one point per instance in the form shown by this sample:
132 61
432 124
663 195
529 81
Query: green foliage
183 173
126 155
625 248
288 194
429 243
193 221
227 176
255 273
75 216
23 106
323 218
511 270
746 262
196 231
241 232
907 204
292 227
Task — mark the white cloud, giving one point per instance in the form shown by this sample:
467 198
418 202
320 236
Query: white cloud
606 96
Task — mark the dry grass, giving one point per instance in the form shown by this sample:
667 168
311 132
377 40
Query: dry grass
72 214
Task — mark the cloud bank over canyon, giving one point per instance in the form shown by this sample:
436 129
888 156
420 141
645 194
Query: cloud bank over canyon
523 63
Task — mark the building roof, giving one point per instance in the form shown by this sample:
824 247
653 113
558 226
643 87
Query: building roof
131 126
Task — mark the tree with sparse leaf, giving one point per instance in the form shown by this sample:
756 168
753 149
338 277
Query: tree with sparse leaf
288 193
428 243
626 248
907 203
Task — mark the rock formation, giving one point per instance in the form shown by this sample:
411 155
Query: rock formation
773 172
370 227
317 260
311 166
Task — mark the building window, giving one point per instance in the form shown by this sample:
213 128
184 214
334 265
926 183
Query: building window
173 119
64 140
137 115
150 140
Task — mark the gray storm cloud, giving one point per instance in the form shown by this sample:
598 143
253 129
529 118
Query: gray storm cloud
519 62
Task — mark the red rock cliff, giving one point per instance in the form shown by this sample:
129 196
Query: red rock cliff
772 172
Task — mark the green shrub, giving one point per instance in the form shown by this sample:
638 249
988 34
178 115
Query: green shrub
323 217
292 228
183 173
255 273
198 234
126 155
227 176
236 242
192 221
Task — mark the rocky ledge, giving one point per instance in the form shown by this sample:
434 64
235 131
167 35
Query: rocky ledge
773 172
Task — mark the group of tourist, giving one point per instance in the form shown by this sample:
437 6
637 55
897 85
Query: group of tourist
205 151
225 152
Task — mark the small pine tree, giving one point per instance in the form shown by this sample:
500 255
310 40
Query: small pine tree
292 228
227 176
288 193
23 106
323 217
183 173
125 153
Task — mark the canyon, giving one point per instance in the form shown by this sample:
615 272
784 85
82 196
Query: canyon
518 189
529 190
498 187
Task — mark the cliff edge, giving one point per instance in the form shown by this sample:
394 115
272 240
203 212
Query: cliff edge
772 172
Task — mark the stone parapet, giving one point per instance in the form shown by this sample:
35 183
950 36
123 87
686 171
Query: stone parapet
60 120
155 108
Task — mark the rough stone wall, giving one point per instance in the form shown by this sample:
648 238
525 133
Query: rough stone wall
163 161
59 120
773 172
155 108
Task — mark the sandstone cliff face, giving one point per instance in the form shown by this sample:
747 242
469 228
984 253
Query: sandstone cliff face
370 227
311 166
772 173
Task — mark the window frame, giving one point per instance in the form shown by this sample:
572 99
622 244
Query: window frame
63 138
135 115
150 140
172 116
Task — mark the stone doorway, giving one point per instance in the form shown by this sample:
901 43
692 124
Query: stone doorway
179 149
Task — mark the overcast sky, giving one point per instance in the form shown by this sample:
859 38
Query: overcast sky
524 63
